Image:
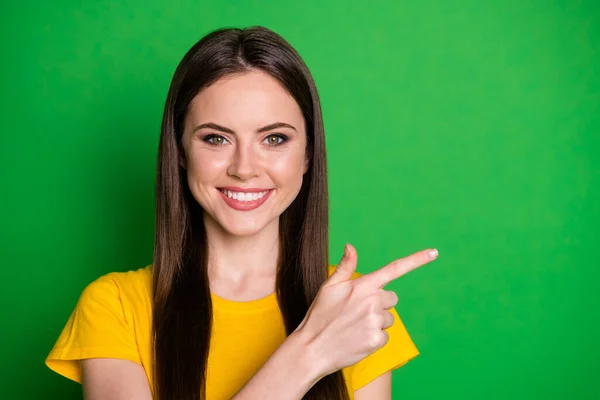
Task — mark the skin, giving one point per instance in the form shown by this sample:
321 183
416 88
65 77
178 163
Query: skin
342 307
243 246
345 323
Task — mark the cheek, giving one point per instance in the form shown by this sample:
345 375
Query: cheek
206 166
287 169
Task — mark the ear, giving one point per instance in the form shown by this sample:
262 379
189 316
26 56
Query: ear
182 160
306 164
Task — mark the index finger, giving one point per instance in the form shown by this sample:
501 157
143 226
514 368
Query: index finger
397 268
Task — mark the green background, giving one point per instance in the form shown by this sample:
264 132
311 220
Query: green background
470 126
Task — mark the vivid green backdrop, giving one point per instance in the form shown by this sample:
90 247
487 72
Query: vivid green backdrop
472 126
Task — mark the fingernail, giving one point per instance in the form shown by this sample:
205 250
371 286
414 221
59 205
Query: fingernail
433 253
345 256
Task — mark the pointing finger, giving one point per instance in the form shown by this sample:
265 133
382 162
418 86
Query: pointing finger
398 268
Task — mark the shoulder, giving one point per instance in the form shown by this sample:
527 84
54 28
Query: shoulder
129 282
111 320
126 292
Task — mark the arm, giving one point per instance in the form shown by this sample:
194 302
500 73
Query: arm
114 379
299 375
106 378
346 322
288 374
380 388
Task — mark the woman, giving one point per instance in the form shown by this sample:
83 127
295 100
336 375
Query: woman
239 301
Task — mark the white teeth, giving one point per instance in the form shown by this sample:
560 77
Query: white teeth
241 196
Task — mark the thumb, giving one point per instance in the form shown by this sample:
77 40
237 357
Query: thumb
346 267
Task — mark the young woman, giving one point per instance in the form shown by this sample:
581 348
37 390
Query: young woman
240 302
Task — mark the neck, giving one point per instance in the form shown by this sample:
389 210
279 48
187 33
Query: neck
239 258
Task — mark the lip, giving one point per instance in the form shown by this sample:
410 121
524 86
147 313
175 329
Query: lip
243 190
245 205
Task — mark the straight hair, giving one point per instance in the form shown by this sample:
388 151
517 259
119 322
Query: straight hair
182 307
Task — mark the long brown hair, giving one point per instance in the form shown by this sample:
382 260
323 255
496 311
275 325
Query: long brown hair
182 308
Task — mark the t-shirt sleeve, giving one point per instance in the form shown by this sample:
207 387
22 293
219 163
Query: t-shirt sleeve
399 350
97 328
395 353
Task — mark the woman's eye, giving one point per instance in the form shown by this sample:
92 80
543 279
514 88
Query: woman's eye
276 139
216 140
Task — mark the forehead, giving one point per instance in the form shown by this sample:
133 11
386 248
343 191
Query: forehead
244 101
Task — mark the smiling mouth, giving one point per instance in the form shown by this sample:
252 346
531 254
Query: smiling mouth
244 196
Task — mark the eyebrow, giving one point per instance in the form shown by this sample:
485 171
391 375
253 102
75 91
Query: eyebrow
266 128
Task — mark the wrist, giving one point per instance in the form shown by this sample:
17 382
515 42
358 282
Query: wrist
308 357
290 372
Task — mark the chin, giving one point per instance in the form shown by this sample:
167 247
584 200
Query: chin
239 225
242 229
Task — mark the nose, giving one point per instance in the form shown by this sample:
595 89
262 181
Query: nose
244 163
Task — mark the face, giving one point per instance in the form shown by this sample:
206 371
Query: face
244 148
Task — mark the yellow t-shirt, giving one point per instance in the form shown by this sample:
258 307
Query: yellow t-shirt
112 319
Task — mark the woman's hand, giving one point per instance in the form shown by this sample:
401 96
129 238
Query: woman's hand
347 320
345 323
